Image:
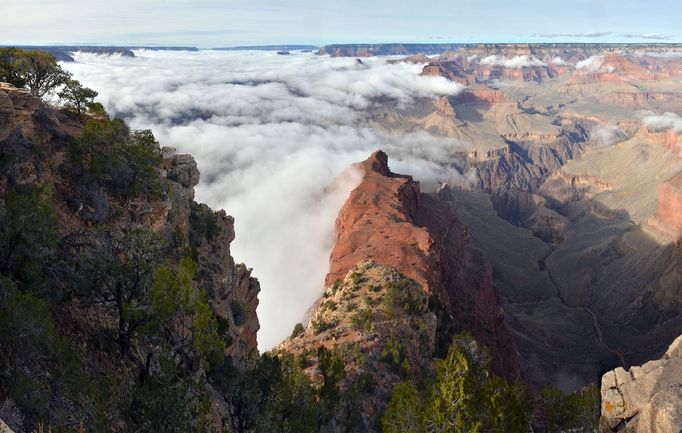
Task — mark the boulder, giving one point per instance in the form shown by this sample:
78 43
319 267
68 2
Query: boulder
183 170
645 399
4 428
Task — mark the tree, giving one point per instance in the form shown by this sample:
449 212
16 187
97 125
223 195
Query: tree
126 163
115 269
28 237
78 97
9 71
452 405
183 318
403 411
464 397
40 71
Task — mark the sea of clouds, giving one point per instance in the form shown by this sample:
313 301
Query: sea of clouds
270 134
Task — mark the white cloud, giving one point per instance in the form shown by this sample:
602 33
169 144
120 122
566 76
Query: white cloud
575 35
592 64
606 135
559 61
270 133
654 36
515 62
663 121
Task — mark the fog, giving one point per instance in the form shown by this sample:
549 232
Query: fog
592 64
662 121
516 62
270 133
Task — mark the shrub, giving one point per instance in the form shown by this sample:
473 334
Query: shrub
464 396
28 238
577 412
356 278
321 325
298 330
362 319
329 305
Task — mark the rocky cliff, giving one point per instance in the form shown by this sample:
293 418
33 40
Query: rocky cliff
37 135
112 215
669 210
387 219
645 399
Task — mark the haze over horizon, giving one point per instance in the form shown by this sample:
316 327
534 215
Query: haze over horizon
212 23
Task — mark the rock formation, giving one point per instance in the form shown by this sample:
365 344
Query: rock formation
388 220
365 315
669 210
646 399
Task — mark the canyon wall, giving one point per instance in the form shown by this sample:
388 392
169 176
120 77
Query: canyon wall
388 220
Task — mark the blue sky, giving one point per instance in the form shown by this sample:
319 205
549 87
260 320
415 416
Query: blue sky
213 23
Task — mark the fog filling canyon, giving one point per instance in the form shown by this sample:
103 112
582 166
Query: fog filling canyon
562 163
271 135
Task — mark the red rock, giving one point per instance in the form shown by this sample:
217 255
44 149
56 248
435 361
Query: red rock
669 208
387 219
483 95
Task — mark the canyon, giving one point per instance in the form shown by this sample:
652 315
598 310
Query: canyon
551 237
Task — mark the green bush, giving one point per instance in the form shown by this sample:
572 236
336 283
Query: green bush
298 330
320 325
362 319
28 238
464 397
578 412
124 162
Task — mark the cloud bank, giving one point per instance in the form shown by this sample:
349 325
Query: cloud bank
516 62
592 64
270 133
575 35
663 121
606 135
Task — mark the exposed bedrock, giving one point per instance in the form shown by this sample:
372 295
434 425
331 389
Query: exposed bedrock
387 219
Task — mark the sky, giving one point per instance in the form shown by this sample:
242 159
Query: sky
215 23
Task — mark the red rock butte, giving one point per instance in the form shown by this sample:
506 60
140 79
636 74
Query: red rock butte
388 220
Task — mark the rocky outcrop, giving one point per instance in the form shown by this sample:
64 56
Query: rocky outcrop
669 210
183 170
388 220
646 399
380 323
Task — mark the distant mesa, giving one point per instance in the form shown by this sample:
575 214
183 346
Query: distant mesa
398 49
65 53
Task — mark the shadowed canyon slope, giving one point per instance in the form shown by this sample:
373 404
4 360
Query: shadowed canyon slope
567 179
